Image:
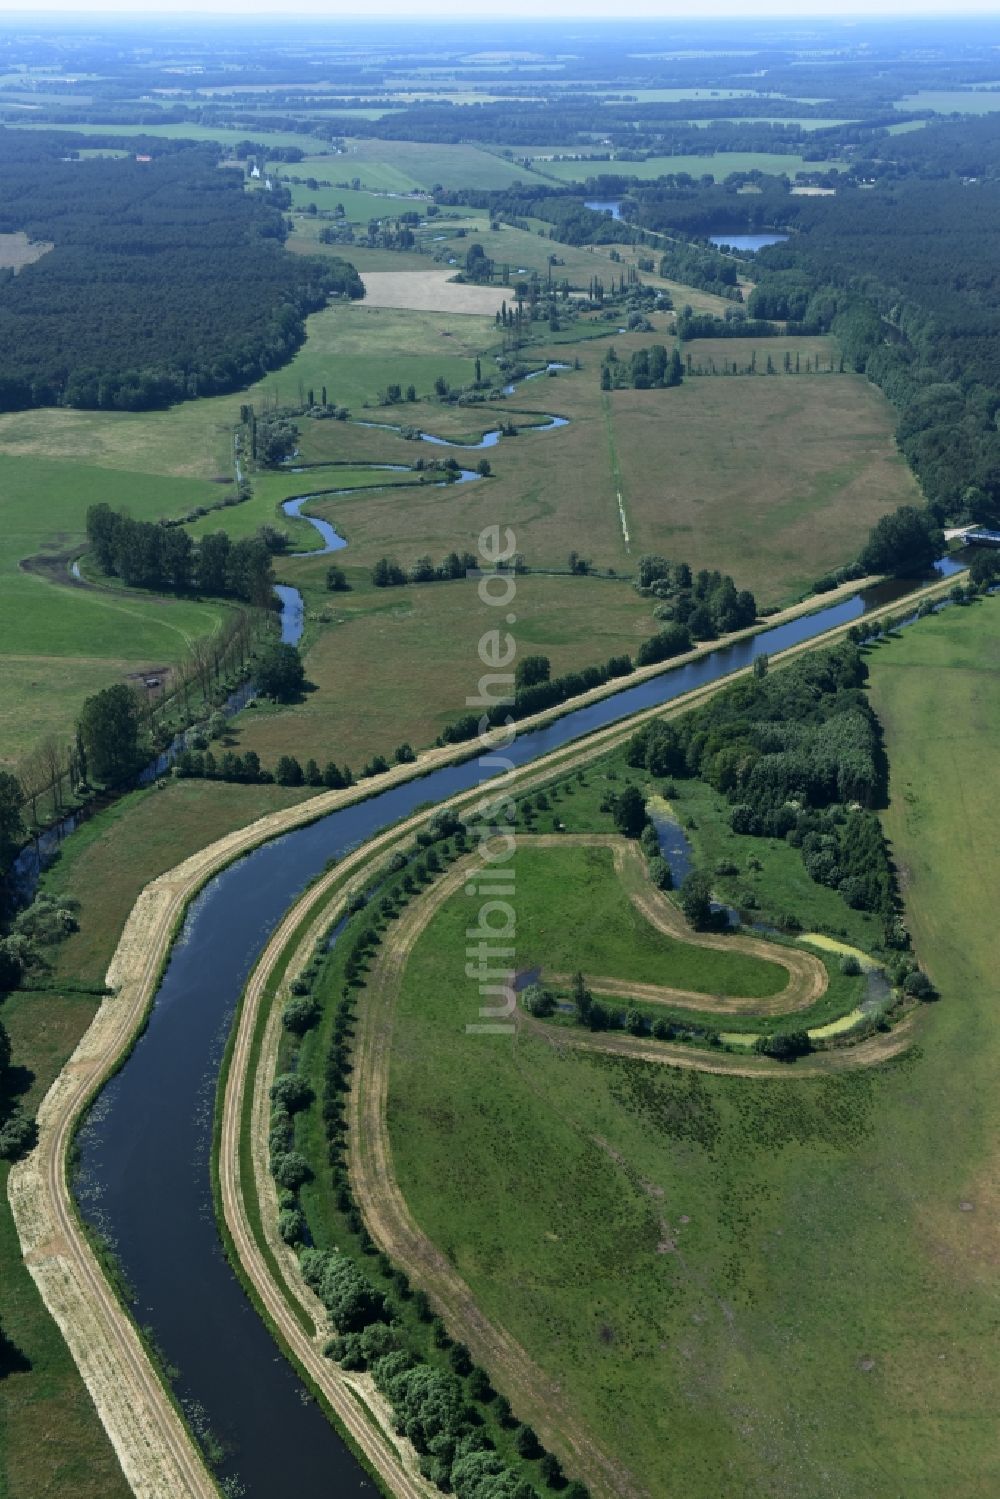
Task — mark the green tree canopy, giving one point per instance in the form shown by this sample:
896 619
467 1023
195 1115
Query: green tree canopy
279 672
110 730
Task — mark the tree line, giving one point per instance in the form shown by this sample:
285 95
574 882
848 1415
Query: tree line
444 1403
149 554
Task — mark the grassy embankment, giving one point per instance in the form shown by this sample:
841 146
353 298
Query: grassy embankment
724 1275
53 1443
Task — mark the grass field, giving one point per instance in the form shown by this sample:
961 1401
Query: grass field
190 441
108 860
724 1276
775 481
303 241
357 350
952 101
410 655
718 165
46 633
559 891
359 207
185 132
381 164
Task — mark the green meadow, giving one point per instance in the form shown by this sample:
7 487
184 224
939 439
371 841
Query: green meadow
560 890
725 1275
59 646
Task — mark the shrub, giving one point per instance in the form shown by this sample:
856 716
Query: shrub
649 841
300 1014
17 1135
629 812
279 673
538 1001
344 1289
784 1047
849 965
696 899
290 1170
290 1092
526 1442
918 985
291 1225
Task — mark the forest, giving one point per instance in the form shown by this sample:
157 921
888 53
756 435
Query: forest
166 279
908 281
798 754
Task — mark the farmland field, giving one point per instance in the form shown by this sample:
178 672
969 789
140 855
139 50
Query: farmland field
381 164
17 250
718 165
430 291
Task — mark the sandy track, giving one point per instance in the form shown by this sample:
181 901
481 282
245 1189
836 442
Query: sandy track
156 1453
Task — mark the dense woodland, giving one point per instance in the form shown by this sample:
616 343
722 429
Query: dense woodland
798 754
167 280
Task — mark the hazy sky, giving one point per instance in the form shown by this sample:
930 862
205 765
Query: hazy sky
416 10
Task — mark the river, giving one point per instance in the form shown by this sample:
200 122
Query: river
143 1178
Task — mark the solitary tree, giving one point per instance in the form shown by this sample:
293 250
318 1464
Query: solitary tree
629 812
109 728
696 899
280 673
